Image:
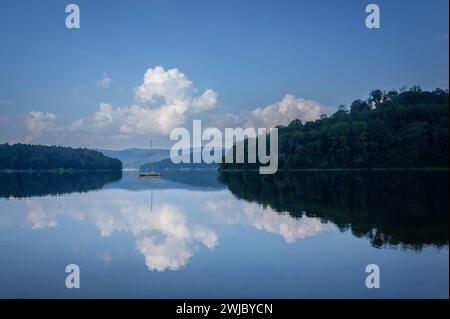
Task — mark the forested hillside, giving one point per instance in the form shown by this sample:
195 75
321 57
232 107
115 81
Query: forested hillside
389 129
40 157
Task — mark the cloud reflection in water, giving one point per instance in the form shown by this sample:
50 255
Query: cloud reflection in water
166 234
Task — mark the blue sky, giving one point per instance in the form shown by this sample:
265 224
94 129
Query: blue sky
250 53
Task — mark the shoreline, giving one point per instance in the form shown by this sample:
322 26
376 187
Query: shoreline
438 169
60 171
63 171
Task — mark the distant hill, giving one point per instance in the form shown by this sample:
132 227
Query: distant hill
135 157
41 157
167 164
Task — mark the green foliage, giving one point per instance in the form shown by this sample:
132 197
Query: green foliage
40 157
406 129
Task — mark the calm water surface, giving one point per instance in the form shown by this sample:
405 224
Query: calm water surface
198 234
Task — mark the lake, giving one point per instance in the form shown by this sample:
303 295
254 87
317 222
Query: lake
231 235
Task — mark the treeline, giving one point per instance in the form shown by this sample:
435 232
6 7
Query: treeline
389 129
40 157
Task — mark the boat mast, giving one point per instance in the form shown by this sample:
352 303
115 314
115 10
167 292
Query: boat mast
151 148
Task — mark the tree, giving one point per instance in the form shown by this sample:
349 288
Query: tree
376 97
359 106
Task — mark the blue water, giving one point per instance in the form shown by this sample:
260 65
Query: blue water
171 239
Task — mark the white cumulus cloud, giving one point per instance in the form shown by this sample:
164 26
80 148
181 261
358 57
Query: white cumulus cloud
165 99
283 112
162 102
105 81
37 123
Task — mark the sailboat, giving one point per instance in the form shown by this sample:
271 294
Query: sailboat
151 173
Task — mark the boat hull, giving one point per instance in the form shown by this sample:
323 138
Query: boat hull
149 174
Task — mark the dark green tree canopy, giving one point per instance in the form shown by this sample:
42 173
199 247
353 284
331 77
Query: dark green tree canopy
406 129
40 157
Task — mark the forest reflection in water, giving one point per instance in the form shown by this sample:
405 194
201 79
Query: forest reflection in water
407 208
33 184
390 208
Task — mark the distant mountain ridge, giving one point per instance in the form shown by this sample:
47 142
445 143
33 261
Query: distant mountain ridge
138 158
135 157
167 164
